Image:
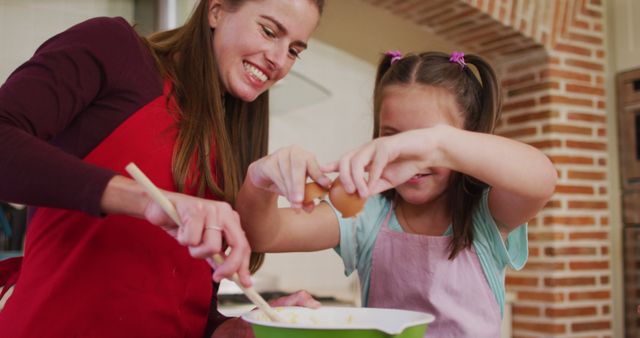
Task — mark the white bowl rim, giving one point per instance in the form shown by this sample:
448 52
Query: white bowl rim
427 318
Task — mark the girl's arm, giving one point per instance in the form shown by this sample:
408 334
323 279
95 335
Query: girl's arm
273 229
521 177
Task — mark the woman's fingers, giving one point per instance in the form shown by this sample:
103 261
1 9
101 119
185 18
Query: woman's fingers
193 216
238 258
204 226
211 239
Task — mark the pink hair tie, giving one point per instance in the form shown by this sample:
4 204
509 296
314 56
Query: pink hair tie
394 54
458 57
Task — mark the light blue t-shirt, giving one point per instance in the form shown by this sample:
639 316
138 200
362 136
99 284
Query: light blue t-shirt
358 236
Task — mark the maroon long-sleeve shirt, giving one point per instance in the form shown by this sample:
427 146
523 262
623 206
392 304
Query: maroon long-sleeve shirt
56 107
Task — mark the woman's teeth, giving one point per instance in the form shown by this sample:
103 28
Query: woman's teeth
255 72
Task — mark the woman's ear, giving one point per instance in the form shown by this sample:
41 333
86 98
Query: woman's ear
215 8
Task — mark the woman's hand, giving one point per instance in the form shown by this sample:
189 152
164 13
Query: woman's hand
204 224
238 328
285 172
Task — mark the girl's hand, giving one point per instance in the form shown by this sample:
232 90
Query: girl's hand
204 225
389 161
285 172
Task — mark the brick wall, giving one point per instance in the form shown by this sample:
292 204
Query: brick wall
550 56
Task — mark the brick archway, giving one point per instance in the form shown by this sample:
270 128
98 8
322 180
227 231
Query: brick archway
550 56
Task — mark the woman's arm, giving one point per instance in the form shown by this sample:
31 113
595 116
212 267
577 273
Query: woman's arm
49 118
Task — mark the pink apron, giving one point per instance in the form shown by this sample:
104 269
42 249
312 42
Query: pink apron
413 272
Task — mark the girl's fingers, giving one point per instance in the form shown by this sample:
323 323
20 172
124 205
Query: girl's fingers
345 174
264 174
376 167
284 169
298 177
359 162
380 185
274 175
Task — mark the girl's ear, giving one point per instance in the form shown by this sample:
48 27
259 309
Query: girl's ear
215 8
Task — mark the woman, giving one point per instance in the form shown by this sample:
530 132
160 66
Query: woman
190 108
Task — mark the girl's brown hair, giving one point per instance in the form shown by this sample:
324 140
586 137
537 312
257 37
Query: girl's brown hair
211 124
478 98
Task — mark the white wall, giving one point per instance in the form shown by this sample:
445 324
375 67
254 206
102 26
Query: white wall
25 24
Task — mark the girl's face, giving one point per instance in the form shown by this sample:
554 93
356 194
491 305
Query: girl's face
256 44
419 106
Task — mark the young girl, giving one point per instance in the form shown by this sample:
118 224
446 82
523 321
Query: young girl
440 240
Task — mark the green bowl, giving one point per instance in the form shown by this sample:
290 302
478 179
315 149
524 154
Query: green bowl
343 322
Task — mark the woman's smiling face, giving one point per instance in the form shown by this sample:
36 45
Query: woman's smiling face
256 44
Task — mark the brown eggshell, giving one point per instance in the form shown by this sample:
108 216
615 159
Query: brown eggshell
313 190
349 205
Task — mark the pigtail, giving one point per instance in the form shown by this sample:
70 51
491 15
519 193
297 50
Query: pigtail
386 61
482 100
383 66
490 96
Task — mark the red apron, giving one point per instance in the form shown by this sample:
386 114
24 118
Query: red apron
115 276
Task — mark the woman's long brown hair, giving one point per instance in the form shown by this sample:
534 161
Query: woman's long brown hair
211 124
478 99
